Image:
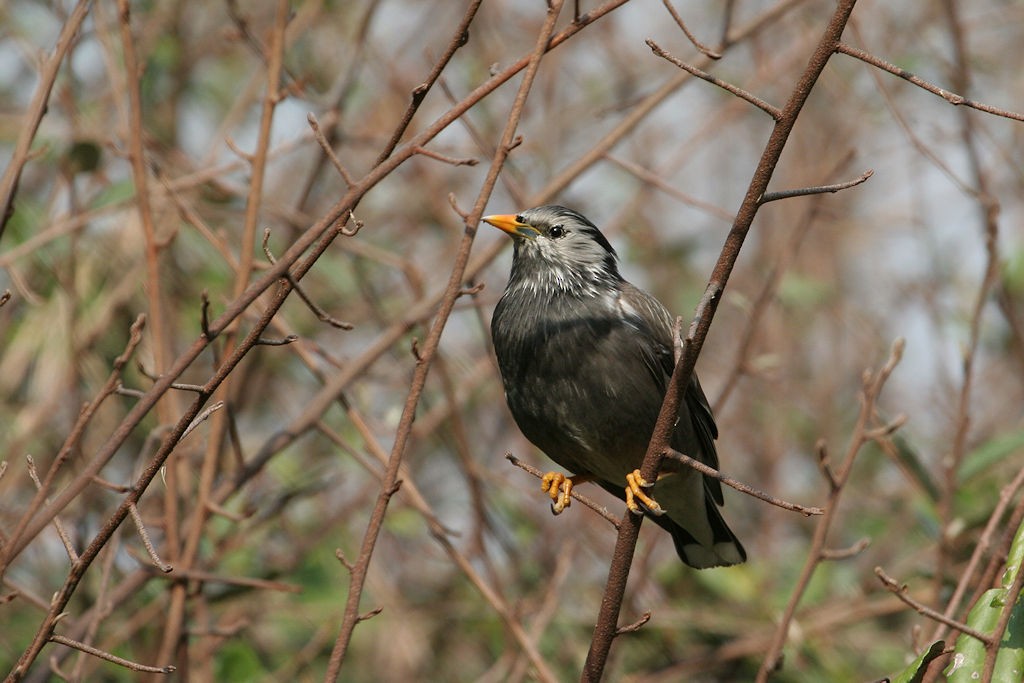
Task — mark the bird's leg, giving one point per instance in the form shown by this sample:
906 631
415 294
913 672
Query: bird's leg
635 486
559 486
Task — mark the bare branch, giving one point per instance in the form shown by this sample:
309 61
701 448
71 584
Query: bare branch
950 97
774 112
61 531
574 493
141 528
900 591
96 652
423 151
705 50
741 487
821 189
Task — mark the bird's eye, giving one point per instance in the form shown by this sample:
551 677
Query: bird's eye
519 218
556 231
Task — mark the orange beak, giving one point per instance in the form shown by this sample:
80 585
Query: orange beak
509 223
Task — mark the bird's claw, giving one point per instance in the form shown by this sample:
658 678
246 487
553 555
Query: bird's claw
635 485
558 486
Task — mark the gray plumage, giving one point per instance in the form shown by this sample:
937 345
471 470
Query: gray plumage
585 359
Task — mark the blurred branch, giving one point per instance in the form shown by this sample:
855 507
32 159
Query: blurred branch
96 652
703 49
607 623
320 313
36 110
985 541
19 537
870 391
452 291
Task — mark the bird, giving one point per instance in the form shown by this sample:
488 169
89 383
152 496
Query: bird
585 359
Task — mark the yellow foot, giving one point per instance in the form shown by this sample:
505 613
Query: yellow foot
559 487
635 491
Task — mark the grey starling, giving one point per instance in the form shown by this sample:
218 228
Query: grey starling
585 359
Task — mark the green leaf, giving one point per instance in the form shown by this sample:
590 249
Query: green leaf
969 654
993 451
915 672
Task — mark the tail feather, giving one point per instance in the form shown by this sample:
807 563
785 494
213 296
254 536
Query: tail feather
700 534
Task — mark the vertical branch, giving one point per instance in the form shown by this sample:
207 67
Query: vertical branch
988 216
172 632
607 623
452 292
872 387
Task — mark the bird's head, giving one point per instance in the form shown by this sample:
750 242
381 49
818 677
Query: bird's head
557 248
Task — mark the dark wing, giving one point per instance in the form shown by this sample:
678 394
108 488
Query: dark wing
654 321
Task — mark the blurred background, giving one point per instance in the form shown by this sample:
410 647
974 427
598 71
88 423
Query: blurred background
929 249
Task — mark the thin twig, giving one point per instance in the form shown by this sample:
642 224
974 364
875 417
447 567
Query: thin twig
1009 608
994 524
202 417
36 110
740 486
846 553
320 313
704 49
454 161
133 510
836 479
900 591
635 626
821 189
772 111
950 97
96 652
599 509
328 150
61 531
404 428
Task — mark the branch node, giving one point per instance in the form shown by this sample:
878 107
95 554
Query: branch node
635 626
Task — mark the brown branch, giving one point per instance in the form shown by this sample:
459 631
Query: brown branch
133 510
845 553
358 575
454 161
740 486
900 591
821 189
36 110
950 97
96 652
772 111
328 150
607 623
599 509
658 182
320 313
58 525
872 387
24 531
704 49
635 626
